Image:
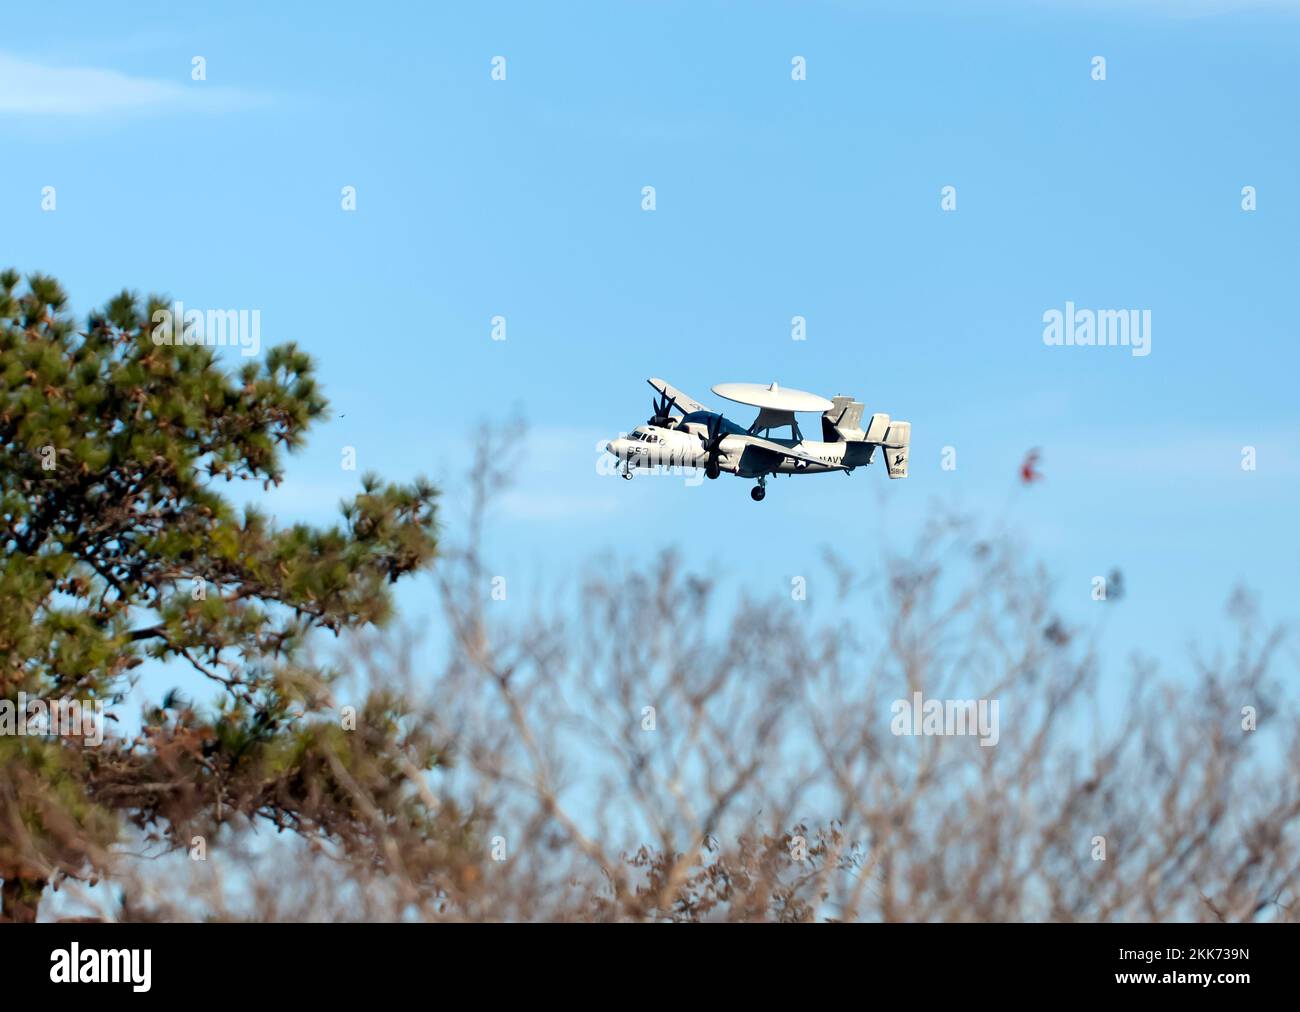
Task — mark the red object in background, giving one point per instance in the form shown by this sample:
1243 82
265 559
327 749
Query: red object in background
1029 472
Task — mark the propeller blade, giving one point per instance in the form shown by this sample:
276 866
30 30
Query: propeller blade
662 407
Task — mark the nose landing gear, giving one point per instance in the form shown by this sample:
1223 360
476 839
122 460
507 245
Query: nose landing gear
758 491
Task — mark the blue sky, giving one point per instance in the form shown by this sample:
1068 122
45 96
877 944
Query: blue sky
775 198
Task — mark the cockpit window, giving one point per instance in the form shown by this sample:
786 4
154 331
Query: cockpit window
703 417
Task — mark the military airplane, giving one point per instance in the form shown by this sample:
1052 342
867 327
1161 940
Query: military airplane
700 437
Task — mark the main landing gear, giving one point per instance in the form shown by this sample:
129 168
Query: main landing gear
758 491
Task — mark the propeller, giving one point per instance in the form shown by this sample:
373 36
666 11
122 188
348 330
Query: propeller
712 446
662 405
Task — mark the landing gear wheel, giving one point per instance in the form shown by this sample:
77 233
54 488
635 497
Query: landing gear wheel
757 493
627 475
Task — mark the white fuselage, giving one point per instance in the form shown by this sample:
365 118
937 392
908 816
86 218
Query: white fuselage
682 445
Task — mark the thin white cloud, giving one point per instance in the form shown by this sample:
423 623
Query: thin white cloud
35 89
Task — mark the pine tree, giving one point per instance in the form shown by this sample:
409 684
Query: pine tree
118 546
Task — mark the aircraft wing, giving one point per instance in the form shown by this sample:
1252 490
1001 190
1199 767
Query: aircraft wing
684 403
779 451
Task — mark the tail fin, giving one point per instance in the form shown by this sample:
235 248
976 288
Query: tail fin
896 444
843 422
